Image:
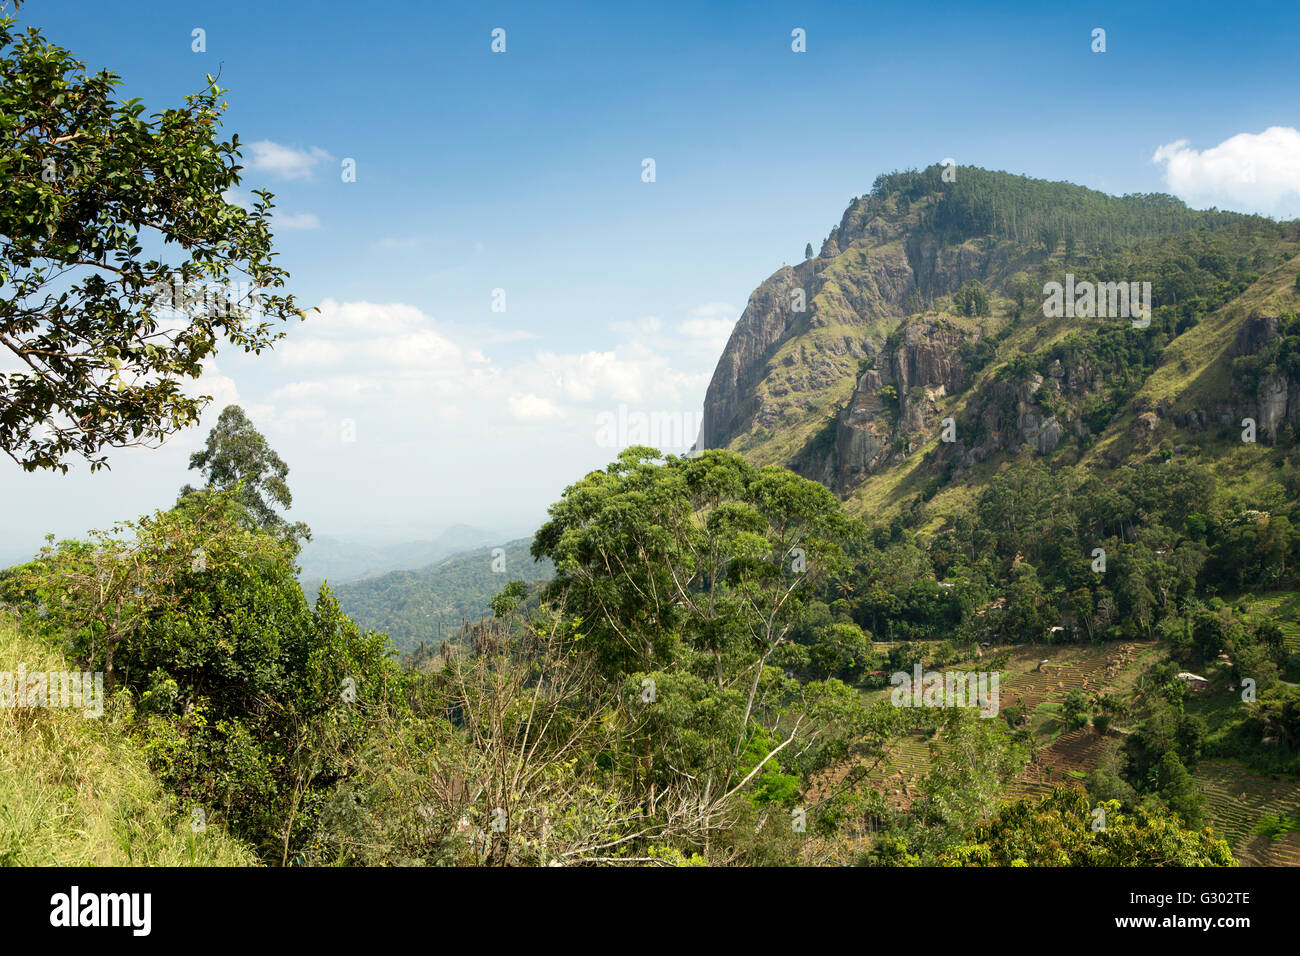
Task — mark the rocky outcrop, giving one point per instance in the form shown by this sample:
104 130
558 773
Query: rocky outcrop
1010 418
871 269
767 321
1274 401
1254 333
892 404
883 351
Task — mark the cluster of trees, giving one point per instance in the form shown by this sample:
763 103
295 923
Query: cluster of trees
635 713
665 699
1065 830
1112 555
981 202
971 299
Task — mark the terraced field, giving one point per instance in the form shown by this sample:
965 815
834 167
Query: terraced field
906 761
1092 669
1065 760
900 774
1284 608
1237 798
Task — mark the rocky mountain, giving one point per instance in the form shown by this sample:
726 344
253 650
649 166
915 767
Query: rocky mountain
921 348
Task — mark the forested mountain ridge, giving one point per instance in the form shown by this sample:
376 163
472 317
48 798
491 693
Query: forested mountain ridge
430 603
926 303
1059 480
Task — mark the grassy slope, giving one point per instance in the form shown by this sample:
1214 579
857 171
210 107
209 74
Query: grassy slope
74 791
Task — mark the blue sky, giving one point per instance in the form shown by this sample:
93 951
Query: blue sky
521 171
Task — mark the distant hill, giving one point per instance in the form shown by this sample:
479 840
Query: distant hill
338 561
423 605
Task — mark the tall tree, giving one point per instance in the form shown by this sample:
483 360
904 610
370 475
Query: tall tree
104 333
238 458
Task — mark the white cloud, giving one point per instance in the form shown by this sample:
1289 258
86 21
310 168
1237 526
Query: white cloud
424 347
709 326
285 162
222 388
368 317
1255 172
311 351
399 373
630 373
527 407
302 220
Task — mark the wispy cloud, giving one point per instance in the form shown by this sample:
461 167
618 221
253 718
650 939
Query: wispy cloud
285 162
302 220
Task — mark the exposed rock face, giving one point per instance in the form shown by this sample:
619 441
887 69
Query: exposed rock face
1254 333
1272 401
1276 399
870 270
766 322
877 267
1010 418
874 432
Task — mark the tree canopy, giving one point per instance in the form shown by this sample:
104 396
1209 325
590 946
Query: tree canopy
237 458
123 260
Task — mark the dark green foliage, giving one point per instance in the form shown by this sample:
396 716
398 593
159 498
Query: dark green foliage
1030 540
86 182
246 696
984 202
971 299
